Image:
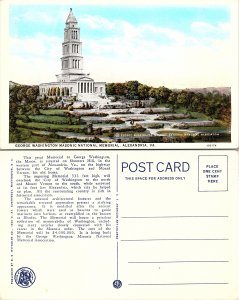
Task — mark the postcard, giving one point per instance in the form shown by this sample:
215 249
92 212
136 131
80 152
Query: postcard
119 225
99 79
119 74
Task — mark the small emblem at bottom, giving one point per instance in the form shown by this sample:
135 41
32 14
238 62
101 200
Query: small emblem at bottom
117 284
24 277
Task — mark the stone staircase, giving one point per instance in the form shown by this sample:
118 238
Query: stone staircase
90 98
93 99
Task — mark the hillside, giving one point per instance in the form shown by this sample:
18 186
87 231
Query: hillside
220 90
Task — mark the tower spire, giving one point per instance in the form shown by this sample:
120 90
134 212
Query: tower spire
71 18
72 60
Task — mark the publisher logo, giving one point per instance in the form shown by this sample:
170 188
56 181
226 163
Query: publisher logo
24 277
117 284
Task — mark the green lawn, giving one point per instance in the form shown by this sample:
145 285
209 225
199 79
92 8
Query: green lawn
52 119
210 129
198 115
30 128
50 127
195 115
48 119
173 132
53 112
25 135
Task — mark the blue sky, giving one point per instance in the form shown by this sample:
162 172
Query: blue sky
173 17
148 43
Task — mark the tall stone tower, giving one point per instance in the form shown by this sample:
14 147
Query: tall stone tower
73 81
72 60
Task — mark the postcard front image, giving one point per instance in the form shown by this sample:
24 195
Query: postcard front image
126 75
119 150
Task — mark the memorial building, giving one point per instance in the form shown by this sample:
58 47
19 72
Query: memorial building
73 81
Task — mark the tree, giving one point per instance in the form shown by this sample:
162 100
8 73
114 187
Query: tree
13 107
163 94
34 109
153 92
21 93
195 102
172 100
143 91
132 89
189 100
32 93
120 89
58 92
185 99
200 105
110 89
182 98
53 91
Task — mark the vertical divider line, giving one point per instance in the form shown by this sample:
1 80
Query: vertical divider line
117 175
227 172
117 277
117 190
198 172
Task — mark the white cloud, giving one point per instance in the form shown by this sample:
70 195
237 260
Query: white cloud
186 62
128 30
27 70
31 17
202 27
224 27
196 66
171 34
40 45
96 22
34 60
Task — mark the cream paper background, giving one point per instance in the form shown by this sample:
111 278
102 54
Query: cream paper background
86 269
